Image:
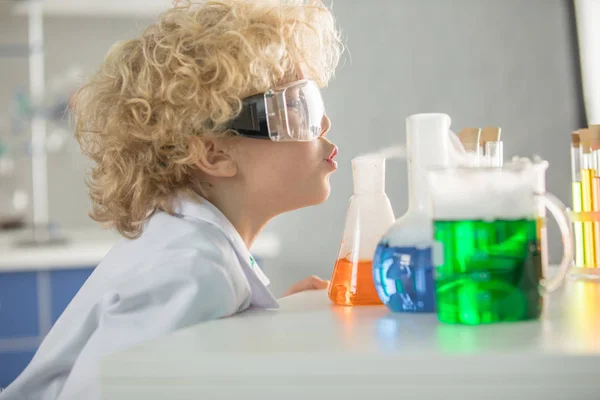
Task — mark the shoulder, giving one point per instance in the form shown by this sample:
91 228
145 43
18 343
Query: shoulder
197 244
174 240
174 249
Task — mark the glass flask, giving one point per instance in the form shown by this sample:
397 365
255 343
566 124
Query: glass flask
402 265
369 215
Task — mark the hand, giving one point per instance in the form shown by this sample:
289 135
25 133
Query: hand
310 283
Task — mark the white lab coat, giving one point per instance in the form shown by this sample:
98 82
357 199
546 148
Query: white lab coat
182 270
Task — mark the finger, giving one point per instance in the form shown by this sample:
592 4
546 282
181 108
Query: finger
310 283
317 283
314 283
292 290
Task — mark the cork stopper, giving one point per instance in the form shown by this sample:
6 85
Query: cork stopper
585 140
594 137
575 139
490 134
469 137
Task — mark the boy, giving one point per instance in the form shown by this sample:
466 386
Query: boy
201 130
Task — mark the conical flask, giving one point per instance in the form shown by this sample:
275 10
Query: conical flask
369 216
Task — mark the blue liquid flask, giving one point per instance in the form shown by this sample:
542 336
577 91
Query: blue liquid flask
403 277
403 270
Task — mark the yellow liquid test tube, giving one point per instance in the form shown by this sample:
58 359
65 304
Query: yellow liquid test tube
578 235
596 204
587 202
587 199
578 226
595 157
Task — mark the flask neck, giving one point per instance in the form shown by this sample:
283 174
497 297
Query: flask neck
368 174
428 145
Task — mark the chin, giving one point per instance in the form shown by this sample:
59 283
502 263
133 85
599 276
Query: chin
323 193
311 196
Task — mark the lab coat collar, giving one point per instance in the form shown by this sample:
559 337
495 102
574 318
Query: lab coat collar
207 212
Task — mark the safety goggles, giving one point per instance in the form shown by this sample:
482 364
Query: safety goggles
293 112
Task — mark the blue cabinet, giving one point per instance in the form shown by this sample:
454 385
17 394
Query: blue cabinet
64 285
30 302
12 363
18 305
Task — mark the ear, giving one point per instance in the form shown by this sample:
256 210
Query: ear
214 157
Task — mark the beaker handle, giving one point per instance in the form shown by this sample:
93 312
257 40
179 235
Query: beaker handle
559 211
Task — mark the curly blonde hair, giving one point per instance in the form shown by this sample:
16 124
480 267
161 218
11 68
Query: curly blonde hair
141 117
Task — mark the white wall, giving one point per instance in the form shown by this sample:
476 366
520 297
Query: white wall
510 63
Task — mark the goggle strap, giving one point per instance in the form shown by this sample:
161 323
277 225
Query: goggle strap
252 120
253 134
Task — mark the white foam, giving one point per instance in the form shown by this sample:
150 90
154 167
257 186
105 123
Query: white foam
413 229
488 194
458 155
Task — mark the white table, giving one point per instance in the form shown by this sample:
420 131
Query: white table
310 349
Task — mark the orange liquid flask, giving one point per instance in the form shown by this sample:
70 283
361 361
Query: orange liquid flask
369 216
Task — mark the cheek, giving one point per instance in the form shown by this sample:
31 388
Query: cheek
305 177
275 167
301 161
284 172
291 172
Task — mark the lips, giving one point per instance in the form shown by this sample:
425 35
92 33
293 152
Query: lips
330 160
334 153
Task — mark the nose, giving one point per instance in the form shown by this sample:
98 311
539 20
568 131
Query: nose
325 125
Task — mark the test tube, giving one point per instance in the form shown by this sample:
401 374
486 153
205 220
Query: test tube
492 146
595 147
469 137
494 153
577 201
587 198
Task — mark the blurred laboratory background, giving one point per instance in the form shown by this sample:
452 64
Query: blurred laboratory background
508 63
